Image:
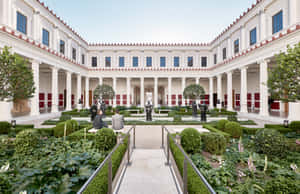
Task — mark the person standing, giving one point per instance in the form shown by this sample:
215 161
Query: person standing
117 121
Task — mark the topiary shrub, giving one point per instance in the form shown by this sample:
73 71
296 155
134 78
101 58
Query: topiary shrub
214 143
60 127
171 113
105 139
74 124
234 129
295 125
270 142
177 118
26 142
4 127
65 118
221 124
232 118
191 140
282 185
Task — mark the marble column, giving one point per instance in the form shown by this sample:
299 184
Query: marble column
35 109
115 89
169 91
219 91
78 91
155 92
142 94
244 108
69 91
229 91
87 92
128 79
54 106
211 92
263 79
183 83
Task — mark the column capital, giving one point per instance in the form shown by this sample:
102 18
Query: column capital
243 68
35 61
229 72
263 61
54 68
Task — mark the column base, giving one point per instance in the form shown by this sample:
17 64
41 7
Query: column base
244 109
54 109
294 111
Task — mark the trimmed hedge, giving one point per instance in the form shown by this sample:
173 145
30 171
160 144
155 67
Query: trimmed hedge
65 118
214 143
221 124
295 126
234 129
177 118
100 183
215 130
26 142
191 140
60 127
250 131
79 135
195 184
105 139
4 127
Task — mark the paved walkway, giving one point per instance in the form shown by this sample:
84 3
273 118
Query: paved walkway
148 174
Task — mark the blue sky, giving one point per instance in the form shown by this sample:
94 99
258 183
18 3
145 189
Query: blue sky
165 21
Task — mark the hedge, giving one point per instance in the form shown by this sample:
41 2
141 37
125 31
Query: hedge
79 135
250 131
100 182
4 127
279 128
213 129
195 184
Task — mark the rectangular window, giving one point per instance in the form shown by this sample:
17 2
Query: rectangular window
236 46
135 61
94 61
190 62
176 61
163 61
82 59
204 61
149 61
45 37
253 36
107 61
62 46
224 54
121 62
277 22
21 23
215 59
74 54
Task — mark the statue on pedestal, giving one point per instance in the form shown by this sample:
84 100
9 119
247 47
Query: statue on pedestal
203 109
149 108
103 107
194 108
93 111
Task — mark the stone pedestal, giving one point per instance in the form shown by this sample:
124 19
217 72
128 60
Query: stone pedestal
5 114
20 108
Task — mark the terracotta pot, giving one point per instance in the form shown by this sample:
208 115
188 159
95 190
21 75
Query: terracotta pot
20 108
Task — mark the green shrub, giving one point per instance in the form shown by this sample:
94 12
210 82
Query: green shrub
232 118
171 113
234 129
279 128
214 113
29 126
60 127
45 132
215 130
125 113
282 185
4 186
26 142
7 147
195 184
106 139
100 183
84 114
65 118
74 124
191 140
250 131
270 142
4 127
177 118
295 126
221 124
214 143
79 135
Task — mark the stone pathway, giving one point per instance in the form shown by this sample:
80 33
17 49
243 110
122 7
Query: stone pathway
148 174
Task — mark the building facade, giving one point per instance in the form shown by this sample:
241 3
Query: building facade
233 68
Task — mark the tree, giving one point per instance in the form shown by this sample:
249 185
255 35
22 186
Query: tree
193 91
284 79
16 77
104 91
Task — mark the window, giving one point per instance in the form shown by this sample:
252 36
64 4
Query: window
74 54
162 61
83 59
224 54
62 46
253 36
236 46
94 61
215 59
107 61
176 61
149 61
190 61
135 61
21 23
45 37
204 61
121 61
277 22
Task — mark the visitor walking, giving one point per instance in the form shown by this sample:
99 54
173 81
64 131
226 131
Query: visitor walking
98 121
